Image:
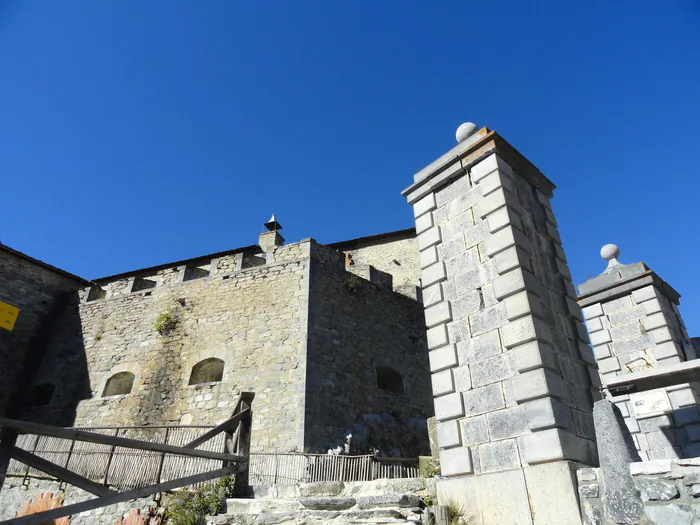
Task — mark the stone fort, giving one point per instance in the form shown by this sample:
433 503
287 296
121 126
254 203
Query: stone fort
469 320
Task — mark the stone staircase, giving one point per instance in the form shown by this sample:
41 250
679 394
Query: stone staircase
334 502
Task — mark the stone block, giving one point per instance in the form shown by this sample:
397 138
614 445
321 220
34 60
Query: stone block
634 344
474 430
602 351
491 370
428 238
424 222
432 295
653 424
437 336
651 307
573 309
463 202
507 423
521 304
475 235
442 358
592 311
428 257
683 397
484 399
487 166
479 347
511 258
503 239
453 189
494 181
448 434
594 325
669 514
443 383
644 294
611 364
616 305
625 331
661 335
532 355
424 205
656 489
552 494
554 444
451 248
465 304
563 268
488 319
503 217
583 424
548 412
600 338
626 316
494 201
654 321
437 314
524 330
458 331
456 462
538 383
499 455
665 350
433 274
448 407
515 281
462 378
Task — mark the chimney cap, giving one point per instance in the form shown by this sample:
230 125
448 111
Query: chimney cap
272 225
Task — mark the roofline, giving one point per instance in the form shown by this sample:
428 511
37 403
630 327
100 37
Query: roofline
340 245
150 269
43 264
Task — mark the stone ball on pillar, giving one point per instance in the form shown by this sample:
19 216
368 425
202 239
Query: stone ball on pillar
465 131
609 252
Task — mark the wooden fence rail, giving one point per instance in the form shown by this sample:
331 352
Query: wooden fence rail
114 466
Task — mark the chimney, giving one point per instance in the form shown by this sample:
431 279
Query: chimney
271 238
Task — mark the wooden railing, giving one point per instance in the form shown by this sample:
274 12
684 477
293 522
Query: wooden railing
114 466
272 469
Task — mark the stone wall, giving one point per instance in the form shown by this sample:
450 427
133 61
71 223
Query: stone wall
634 325
15 493
254 319
353 331
669 490
394 253
33 287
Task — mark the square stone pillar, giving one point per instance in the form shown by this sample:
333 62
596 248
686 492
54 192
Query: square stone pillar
634 324
513 376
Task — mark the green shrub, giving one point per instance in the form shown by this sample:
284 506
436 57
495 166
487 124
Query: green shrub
165 323
191 507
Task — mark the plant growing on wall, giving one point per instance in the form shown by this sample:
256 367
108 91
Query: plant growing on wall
352 282
191 507
165 323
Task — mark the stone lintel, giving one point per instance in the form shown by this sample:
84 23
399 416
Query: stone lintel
617 286
468 153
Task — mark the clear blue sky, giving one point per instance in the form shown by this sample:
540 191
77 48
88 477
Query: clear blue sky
136 133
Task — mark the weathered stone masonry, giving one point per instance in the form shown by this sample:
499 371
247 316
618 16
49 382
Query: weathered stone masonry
513 375
34 287
284 323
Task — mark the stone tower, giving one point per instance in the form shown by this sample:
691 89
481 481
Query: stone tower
513 376
635 327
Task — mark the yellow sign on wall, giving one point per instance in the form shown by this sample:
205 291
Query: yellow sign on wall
8 316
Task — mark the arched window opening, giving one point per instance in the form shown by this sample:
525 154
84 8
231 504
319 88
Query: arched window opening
41 395
119 384
389 379
207 371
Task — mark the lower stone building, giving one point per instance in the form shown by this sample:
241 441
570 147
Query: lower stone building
328 352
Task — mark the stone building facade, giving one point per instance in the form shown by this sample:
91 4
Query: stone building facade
634 324
327 352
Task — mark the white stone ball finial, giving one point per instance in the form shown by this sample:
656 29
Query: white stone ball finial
610 252
465 131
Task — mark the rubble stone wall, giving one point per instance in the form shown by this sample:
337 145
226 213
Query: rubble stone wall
669 490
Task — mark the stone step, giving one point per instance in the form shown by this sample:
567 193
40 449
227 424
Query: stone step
258 506
372 516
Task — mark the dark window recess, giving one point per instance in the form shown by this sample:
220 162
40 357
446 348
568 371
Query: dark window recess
96 293
119 384
195 272
389 379
143 284
207 371
41 395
